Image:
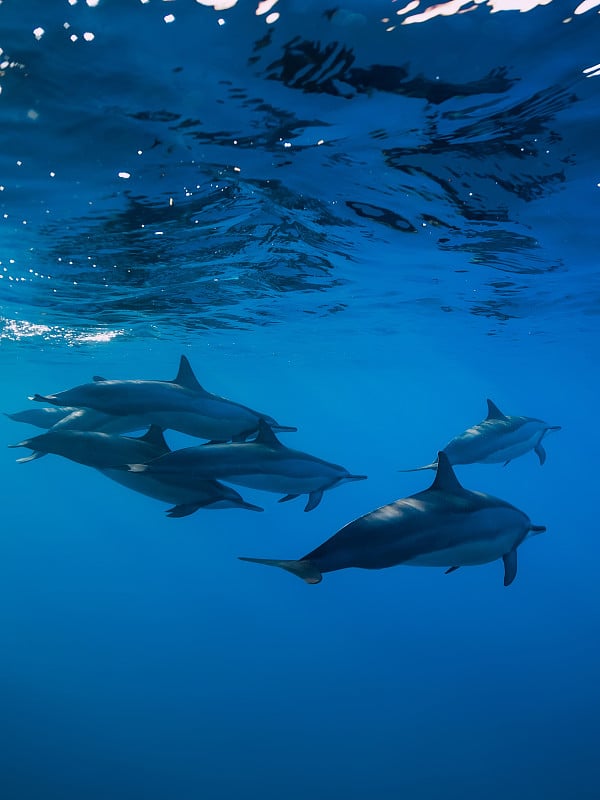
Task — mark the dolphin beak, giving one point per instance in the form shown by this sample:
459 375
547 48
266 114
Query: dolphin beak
283 428
555 428
249 506
355 477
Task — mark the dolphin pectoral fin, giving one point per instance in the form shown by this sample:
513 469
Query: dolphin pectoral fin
185 509
506 463
288 497
540 452
304 569
510 567
451 569
32 457
314 498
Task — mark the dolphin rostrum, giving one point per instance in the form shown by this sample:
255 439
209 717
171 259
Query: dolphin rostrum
443 526
497 438
264 463
107 452
181 404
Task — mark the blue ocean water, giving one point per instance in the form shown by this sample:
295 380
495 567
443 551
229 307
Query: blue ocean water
365 220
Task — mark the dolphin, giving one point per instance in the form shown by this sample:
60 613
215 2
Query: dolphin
106 452
69 418
181 404
41 417
264 463
443 526
497 438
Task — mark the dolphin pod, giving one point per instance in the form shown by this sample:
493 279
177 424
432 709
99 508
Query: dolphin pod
106 452
498 438
446 525
443 526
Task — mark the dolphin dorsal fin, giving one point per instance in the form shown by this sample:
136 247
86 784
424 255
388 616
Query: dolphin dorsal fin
445 479
493 411
185 376
154 436
266 436
99 379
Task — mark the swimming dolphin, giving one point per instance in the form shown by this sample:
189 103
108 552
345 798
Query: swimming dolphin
264 463
444 526
181 404
41 417
105 452
69 418
497 438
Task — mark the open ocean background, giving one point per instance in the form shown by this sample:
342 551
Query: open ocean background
365 223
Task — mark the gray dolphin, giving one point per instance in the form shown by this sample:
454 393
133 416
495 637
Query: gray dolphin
106 452
41 417
497 438
264 463
444 526
69 418
181 404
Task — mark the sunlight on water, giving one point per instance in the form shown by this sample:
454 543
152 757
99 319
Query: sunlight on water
18 330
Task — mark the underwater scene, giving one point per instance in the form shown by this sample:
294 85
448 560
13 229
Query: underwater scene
299 345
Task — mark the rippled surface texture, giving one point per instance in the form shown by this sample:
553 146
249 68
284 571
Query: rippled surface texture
365 219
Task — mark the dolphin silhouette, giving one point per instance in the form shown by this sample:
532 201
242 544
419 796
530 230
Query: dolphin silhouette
264 463
77 419
181 404
497 438
443 526
106 452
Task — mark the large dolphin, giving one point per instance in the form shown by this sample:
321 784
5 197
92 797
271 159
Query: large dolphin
69 418
106 452
181 404
497 438
264 463
444 526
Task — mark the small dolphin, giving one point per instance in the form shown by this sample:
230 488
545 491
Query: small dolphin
497 438
444 526
181 404
41 417
264 463
106 452
69 418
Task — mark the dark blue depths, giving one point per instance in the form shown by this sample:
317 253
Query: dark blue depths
438 248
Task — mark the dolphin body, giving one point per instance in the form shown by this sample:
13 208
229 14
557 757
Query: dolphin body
444 526
181 405
497 438
69 418
106 452
264 463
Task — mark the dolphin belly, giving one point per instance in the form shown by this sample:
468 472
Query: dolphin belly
276 482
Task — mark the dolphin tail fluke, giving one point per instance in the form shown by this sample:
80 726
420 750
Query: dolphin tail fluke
249 506
304 569
433 465
31 457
